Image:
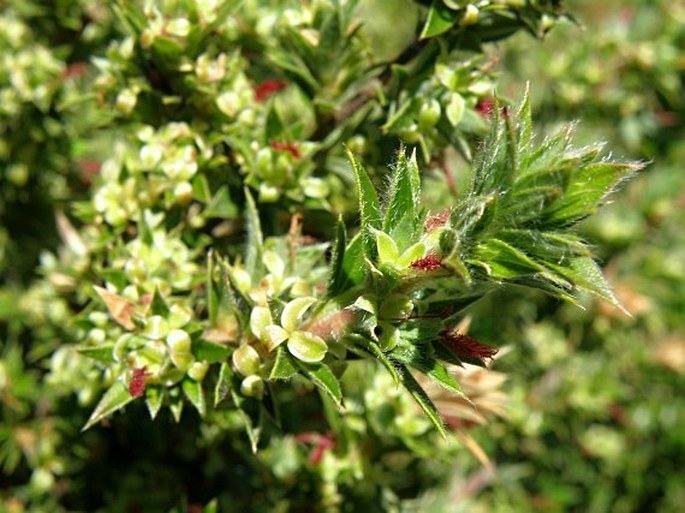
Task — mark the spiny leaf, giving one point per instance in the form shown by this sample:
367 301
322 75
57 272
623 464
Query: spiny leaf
438 373
211 288
284 365
255 241
158 306
402 195
420 396
504 260
224 383
589 189
176 407
586 274
546 246
337 280
362 346
353 261
101 353
221 205
322 376
193 391
248 409
369 209
154 398
116 397
440 20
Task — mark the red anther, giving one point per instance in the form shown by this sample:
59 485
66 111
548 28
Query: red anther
321 444
467 347
427 263
485 107
136 387
289 147
267 88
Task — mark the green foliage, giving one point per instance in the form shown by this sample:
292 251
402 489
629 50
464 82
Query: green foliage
209 275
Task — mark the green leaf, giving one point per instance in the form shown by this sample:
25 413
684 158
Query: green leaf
285 366
586 274
440 20
505 261
353 265
201 191
386 248
337 279
589 189
224 383
176 407
369 209
255 240
546 246
114 399
363 346
248 409
439 373
404 193
273 127
193 391
154 398
322 376
221 206
211 507
211 288
158 306
212 352
101 353
420 396
455 109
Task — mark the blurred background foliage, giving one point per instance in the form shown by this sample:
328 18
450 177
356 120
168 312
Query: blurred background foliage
597 407
595 398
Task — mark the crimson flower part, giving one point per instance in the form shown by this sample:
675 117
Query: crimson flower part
136 387
267 88
467 347
289 147
427 263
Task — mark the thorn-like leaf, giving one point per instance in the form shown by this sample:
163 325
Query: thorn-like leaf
369 209
116 397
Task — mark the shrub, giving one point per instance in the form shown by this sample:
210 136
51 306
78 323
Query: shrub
229 240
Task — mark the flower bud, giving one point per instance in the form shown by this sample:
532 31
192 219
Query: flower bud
470 16
178 341
183 193
179 27
198 371
229 103
268 193
246 360
126 100
429 114
307 347
314 187
252 386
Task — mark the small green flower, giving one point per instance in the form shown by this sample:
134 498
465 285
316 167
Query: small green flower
303 345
